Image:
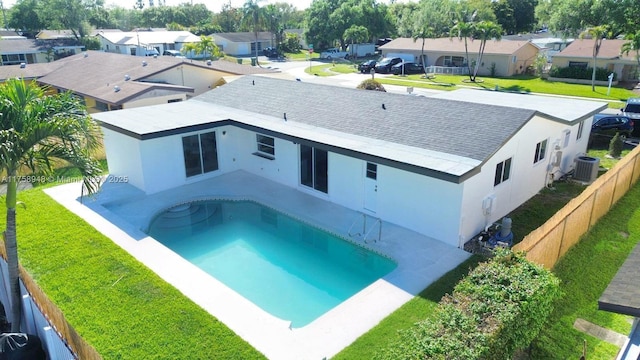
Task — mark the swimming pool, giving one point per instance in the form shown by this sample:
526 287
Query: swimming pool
293 271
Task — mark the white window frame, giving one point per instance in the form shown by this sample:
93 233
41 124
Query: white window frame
541 151
580 129
264 148
504 167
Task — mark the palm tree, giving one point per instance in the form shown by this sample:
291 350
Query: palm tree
38 131
464 30
485 30
205 46
632 45
253 17
598 33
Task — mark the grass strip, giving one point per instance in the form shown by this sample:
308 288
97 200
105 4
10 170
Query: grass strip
586 270
386 332
123 309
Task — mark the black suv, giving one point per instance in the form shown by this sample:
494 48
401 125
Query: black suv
366 66
270 52
384 66
607 125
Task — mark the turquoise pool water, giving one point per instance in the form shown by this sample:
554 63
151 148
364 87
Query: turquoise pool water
289 269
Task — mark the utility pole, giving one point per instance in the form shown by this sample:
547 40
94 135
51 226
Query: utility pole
4 16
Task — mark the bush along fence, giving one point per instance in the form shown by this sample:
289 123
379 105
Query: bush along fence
499 308
59 338
548 243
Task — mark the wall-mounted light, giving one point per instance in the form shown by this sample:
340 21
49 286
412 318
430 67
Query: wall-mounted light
224 132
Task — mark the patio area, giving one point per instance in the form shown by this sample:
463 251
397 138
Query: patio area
123 213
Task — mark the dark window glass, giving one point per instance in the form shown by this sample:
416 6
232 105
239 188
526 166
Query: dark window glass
209 152
498 178
191 149
321 180
313 168
306 165
372 171
507 170
266 145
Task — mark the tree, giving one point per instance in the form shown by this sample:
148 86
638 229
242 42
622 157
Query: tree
464 30
253 17
37 131
597 33
206 47
523 14
505 16
24 16
632 45
484 31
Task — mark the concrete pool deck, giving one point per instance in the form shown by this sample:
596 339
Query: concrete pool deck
122 212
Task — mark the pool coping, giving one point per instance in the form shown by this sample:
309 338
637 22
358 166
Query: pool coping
421 260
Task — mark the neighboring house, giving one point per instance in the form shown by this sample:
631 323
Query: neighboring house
18 50
441 166
242 43
622 296
501 58
109 81
580 54
548 45
145 42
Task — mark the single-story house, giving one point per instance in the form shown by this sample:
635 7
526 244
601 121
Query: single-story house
17 50
500 58
580 54
243 43
445 166
108 81
145 42
622 296
548 45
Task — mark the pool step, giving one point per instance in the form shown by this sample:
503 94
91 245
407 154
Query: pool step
184 215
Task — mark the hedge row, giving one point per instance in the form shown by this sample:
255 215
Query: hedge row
577 72
497 309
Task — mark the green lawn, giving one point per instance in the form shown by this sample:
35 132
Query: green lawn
524 84
115 303
581 283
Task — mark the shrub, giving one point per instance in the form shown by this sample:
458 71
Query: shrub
497 309
615 146
371 84
577 72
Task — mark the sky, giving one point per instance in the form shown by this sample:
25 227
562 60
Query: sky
213 5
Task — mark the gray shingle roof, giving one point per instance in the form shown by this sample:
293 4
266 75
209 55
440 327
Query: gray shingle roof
442 138
96 74
445 126
622 296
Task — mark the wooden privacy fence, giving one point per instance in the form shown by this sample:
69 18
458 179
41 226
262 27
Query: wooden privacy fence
81 349
548 243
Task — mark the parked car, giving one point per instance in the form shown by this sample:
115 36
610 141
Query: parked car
270 52
384 66
174 53
366 66
632 110
607 125
407 68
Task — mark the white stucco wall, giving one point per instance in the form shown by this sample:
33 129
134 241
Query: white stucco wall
526 178
123 156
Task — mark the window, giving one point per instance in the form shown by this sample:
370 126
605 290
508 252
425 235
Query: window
579 64
453 61
541 150
580 128
514 59
567 138
313 168
372 171
503 171
200 153
266 147
13 59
